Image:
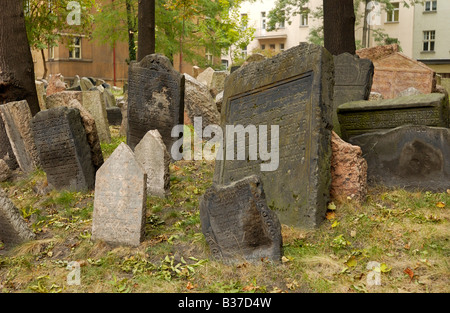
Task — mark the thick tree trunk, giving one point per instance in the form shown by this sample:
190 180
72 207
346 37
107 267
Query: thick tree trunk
339 26
146 28
16 63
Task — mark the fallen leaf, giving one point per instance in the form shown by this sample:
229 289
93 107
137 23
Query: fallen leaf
190 286
440 204
330 216
407 246
335 224
409 272
351 262
285 259
331 206
384 268
353 233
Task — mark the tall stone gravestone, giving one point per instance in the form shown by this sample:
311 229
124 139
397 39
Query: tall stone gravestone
93 101
413 156
292 90
63 148
6 152
238 224
152 154
155 99
360 117
352 81
120 199
13 228
17 120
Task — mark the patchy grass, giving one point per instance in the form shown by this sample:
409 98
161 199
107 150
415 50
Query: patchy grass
406 233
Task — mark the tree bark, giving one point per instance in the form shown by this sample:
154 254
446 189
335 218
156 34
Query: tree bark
339 26
44 63
146 28
16 63
365 29
131 30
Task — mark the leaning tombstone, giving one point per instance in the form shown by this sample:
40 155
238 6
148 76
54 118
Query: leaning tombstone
40 90
114 115
13 228
86 84
352 81
95 104
152 154
17 120
287 100
63 148
238 224
155 99
120 199
6 151
410 157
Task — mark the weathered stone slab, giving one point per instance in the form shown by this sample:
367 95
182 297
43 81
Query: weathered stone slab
206 77
294 91
17 120
94 103
155 99
63 148
86 84
40 90
198 102
120 199
62 98
13 228
411 157
6 151
55 84
361 117
152 154
114 115
238 224
352 81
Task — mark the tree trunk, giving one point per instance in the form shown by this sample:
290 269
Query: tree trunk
44 63
366 14
146 26
16 63
339 26
131 31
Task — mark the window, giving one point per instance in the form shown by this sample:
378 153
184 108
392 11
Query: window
393 14
263 20
429 37
75 48
244 52
272 47
304 17
244 21
281 47
209 57
263 47
225 64
430 6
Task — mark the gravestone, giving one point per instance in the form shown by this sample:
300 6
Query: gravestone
206 77
86 84
17 120
55 84
13 228
114 115
155 99
120 199
62 98
63 148
294 91
152 154
238 224
352 81
361 117
40 90
94 103
411 157
6 151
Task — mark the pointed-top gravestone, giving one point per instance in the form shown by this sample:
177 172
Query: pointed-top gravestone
155 99
120 199
13 228
154 158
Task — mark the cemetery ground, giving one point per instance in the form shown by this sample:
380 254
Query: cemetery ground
407 233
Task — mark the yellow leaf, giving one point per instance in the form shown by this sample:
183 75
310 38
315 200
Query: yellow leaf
351 262
331 206
335 224
189 286
384 268
440 205
330 216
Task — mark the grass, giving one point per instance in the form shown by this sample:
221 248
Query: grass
406 233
